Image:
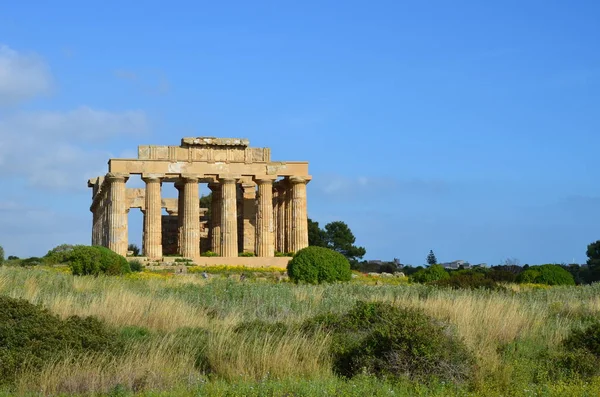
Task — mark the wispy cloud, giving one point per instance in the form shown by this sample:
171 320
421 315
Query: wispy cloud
148 83
59 150
22 76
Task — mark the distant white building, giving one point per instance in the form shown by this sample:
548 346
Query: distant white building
457 265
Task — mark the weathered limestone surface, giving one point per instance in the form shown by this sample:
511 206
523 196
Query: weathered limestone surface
281 218
216 217
288 215
264 219
117 214
248 231
299 227
190 235
152 241
229 233
275 206
271 213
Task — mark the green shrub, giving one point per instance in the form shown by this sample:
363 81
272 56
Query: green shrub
528 276
246 254
209 253
554 275
1 255
136 265
387 341
580 356
86 260
317 265
500 275
59 254
260 328
429 274
546 274
468 281
33 261
587 339
31 336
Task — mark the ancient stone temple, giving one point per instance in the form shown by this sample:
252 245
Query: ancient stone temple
258 206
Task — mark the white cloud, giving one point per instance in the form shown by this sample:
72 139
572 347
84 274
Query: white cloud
62 150
22 76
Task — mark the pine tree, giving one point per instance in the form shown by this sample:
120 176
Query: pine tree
431 259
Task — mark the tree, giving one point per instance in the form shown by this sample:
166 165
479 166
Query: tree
339 238
431 259
1 255
206 202
593 262
316 235
134 248
432 273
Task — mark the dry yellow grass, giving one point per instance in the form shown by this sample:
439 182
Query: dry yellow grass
165 304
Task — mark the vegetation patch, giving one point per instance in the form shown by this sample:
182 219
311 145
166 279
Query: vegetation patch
386 341
316 265
30 337
94 260
470 280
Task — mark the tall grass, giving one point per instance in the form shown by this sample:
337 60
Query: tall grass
186 327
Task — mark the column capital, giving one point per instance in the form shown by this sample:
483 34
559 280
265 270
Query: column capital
117 177
186 178
227 180
299 179
152 177
264 181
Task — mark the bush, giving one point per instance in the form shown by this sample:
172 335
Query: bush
1 255
208 253
429 274
468 281
260 328
317 265
500 275
528 276
59 254
136 265
387 341
86 260
246 254
31 336
546 274
33 261
580 356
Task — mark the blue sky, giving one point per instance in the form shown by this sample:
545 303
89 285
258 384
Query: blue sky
464 127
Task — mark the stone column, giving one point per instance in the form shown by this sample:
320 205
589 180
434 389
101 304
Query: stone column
152 242
275 208
180 210
281 224
264 219
229 243
117 213
95 225
288 215
299 215
190 229
215 218
249 217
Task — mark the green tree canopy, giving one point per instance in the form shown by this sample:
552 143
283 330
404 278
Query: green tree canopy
316 235
336 236
431 273
431 259
593 262
339 238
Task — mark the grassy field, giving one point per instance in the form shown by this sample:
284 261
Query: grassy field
182 335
